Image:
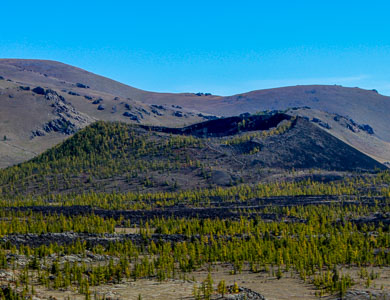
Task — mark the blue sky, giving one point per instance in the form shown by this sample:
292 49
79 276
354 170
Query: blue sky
222 47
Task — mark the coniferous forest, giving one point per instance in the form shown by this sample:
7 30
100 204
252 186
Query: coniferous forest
119 203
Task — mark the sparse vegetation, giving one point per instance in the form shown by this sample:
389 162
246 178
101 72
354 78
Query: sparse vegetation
65 241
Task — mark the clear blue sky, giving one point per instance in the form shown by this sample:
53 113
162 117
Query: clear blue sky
222 47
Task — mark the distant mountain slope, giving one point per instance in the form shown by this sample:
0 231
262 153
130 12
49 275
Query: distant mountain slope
120 157
363 106
359 136
32 121
24 113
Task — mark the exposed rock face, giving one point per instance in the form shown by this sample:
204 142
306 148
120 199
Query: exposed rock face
38 90
367 128
353 126
73 93
82 86
244 294
321 123
68 120
97 101
366 295
131 116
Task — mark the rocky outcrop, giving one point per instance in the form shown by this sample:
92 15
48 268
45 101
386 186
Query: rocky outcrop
39 90
353 126
131 116
97 101
243 294
366 295
321 123
82 86
68 120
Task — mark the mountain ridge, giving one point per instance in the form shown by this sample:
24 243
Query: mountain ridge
100 98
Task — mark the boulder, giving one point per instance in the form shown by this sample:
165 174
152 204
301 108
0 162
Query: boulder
131 116
82 86
367 128
73 93
39 90
97 101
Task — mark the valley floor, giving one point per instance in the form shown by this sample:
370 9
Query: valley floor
289 287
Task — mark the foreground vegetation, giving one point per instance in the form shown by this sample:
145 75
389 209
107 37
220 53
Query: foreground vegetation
312 240
64 239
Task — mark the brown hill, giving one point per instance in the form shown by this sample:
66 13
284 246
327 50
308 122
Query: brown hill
93 97
109 156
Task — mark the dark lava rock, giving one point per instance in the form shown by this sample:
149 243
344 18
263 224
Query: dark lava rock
101 107
178 114
10 96
39 90
243 294
158 106
87 97
156 112
127 106
97 101
82 86
225 126
24 88
37 133
114 109
325 125
1 78
66 238
142 110
131 116
60 125
366 295
73 93
353 122
316 120
116 98
203 94
367 128
350 127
